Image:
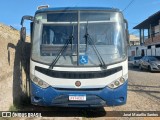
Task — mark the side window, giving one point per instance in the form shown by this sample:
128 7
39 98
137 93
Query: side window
47 35
51 36
44 36
130 58
55 34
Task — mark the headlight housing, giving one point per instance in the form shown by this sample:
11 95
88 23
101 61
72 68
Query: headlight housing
39 82
118 82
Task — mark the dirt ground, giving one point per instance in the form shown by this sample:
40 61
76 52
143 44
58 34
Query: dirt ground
8 41
9 66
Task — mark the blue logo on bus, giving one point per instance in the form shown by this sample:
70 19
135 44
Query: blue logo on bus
83 59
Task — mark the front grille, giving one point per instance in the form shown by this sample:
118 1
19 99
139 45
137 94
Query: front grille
79 74
82 89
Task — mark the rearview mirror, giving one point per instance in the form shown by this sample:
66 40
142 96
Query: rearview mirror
127 32
23 34
127 36
23 29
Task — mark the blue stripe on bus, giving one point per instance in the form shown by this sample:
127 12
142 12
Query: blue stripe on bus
102 97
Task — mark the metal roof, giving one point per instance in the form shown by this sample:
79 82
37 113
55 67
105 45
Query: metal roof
76 8
152 20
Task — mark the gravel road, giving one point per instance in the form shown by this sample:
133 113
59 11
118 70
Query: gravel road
143 91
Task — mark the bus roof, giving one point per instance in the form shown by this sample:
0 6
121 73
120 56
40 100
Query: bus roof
77 8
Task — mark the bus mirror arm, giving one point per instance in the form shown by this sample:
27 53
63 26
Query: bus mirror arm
26 17
23 29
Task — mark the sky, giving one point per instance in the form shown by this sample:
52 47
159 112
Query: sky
11 11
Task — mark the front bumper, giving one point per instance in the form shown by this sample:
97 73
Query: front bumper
155 68
94 97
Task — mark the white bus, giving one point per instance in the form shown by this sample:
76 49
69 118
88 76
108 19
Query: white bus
78 57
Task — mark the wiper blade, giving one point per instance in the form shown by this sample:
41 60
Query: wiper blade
89 39
103 65
70 40
86 36
59 54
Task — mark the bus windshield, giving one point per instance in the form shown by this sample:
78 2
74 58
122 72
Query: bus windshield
105 29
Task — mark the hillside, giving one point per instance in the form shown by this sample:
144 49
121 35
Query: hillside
9 65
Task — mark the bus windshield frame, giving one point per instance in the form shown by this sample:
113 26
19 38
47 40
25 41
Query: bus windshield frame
52 30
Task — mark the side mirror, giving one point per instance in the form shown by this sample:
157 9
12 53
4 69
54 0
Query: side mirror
127 32
127 35
31 30
23 29
23 34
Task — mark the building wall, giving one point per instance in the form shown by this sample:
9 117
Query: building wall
156 29
148 51
136 50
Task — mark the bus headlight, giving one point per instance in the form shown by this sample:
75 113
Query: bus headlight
118 82
122 80
40 82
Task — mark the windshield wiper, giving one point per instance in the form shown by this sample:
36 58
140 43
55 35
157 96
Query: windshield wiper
86 36
72 37
89 39
59 54
70 40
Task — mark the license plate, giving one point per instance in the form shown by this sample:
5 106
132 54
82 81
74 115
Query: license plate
77 97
